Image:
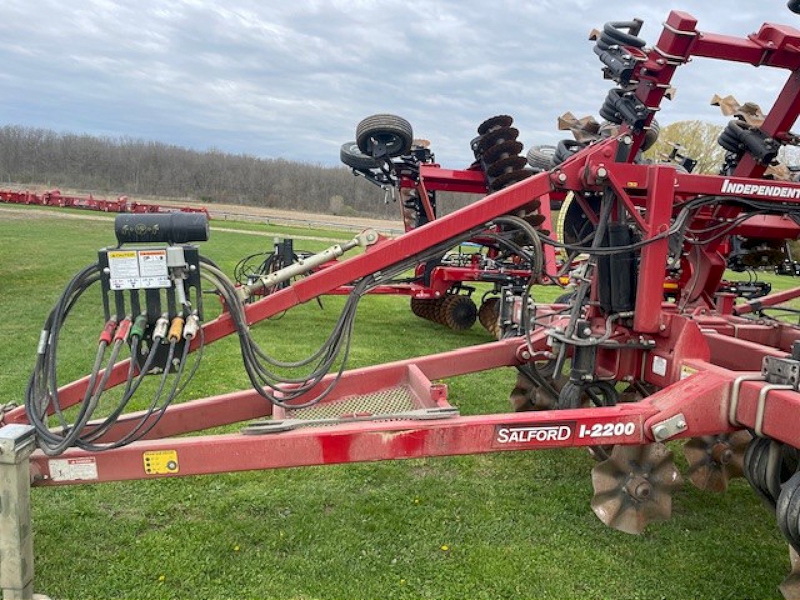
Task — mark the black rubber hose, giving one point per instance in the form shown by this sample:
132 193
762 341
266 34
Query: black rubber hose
612 32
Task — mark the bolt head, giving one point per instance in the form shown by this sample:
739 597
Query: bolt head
562 177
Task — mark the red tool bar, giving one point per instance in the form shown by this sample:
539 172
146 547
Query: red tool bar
450 180
773 46
779 227
346 443
771 300
736 354
769 410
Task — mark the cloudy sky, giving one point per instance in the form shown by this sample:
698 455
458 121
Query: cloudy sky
292 78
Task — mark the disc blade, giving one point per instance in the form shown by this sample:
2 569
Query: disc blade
634 487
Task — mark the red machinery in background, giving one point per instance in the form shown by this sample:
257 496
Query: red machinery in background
441 288
120 205
619 370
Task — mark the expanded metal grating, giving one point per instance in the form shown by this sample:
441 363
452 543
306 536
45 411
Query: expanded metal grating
388 401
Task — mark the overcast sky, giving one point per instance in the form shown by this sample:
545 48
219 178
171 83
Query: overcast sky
292 78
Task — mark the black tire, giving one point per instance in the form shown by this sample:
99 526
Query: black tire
575 225
788 511
393 131
565 149
541 157
766 484
354 158
595 394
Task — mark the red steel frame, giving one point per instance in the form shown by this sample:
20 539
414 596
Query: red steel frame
702 358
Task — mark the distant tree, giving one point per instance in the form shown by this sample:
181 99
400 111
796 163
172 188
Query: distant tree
336 204
699 141
127 166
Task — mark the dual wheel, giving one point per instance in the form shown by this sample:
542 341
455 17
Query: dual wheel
377 137
772 470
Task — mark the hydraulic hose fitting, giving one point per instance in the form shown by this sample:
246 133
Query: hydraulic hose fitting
192 326
108 332
175 330
160 329
139 326
123 330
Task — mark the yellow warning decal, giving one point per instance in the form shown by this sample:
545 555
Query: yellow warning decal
161 462
121 254
687 371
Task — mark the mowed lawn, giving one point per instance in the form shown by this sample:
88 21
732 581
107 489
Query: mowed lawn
509 525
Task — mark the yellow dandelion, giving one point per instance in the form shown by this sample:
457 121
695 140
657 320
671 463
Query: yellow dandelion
445 548
161 577
236 548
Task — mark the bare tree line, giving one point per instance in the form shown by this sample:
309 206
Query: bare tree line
137 167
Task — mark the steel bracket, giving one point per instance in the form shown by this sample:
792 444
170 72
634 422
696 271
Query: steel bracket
781 371
668 428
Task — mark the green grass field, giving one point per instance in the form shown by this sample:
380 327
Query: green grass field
513 525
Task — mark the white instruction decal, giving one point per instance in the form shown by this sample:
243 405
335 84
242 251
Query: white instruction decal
138 269
660 365
73 469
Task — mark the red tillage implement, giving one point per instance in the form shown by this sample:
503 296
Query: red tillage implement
619 370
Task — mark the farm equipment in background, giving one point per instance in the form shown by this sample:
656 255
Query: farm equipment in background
120 205
386 154
440 289
618 370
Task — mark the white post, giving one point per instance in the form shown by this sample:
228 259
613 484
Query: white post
16 537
